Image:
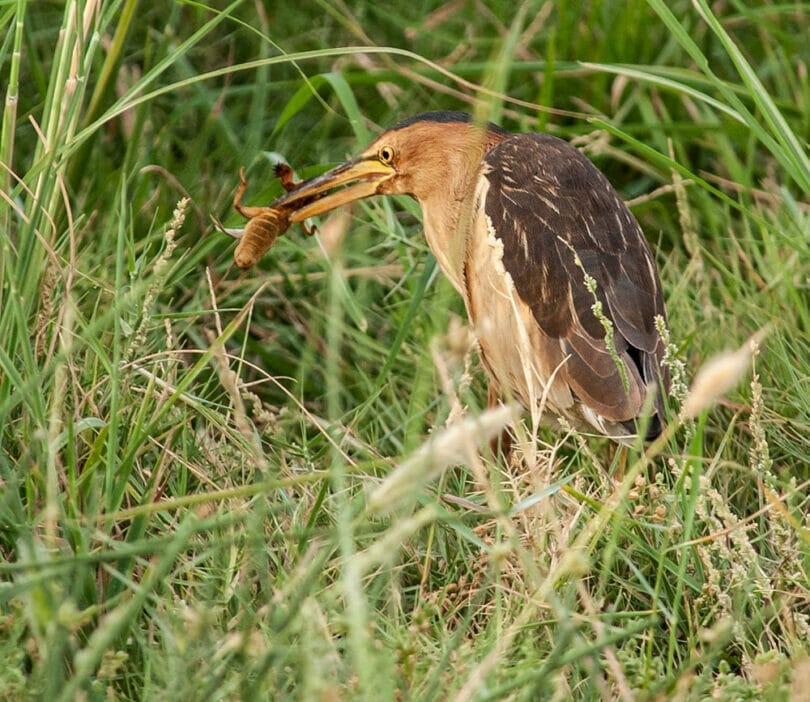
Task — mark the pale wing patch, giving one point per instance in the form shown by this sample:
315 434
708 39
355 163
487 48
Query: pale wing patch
510 341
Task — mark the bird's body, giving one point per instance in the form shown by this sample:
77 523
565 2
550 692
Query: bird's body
545 254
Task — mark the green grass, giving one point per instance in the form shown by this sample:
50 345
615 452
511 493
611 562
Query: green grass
225 485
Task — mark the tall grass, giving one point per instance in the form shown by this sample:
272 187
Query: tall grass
272 484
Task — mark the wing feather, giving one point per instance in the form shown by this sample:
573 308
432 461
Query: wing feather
560 219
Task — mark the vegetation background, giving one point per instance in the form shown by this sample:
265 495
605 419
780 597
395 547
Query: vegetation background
264 485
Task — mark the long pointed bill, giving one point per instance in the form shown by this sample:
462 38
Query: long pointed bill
362 178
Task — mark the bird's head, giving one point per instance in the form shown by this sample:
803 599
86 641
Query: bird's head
435 154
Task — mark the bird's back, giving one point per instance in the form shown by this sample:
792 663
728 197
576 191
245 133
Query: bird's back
557 265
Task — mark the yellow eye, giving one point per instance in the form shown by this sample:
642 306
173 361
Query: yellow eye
386 155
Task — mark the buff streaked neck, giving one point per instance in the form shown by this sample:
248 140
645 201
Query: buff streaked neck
448 163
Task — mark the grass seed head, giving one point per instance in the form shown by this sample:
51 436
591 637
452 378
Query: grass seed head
718 376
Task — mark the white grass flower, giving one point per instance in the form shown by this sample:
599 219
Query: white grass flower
717 376
448 448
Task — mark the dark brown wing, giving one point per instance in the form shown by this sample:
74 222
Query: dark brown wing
546 202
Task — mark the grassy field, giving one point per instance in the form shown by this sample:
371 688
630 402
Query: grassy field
218 485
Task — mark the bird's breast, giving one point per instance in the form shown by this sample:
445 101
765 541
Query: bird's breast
518 356
447 224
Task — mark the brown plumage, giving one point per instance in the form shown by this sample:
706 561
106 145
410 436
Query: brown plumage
532 235
560 219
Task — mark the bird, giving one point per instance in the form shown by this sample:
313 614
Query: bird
560 285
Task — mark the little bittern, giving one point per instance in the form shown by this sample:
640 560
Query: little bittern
560 285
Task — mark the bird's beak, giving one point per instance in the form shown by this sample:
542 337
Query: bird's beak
361 176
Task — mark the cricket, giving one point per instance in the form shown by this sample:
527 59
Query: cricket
266 223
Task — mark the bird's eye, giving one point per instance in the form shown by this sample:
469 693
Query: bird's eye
386 155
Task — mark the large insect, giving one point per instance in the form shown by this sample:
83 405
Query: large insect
265 224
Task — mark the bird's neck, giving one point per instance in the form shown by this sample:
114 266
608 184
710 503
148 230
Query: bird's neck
447 226
448 199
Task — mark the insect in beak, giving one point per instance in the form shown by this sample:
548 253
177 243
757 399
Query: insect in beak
265 224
